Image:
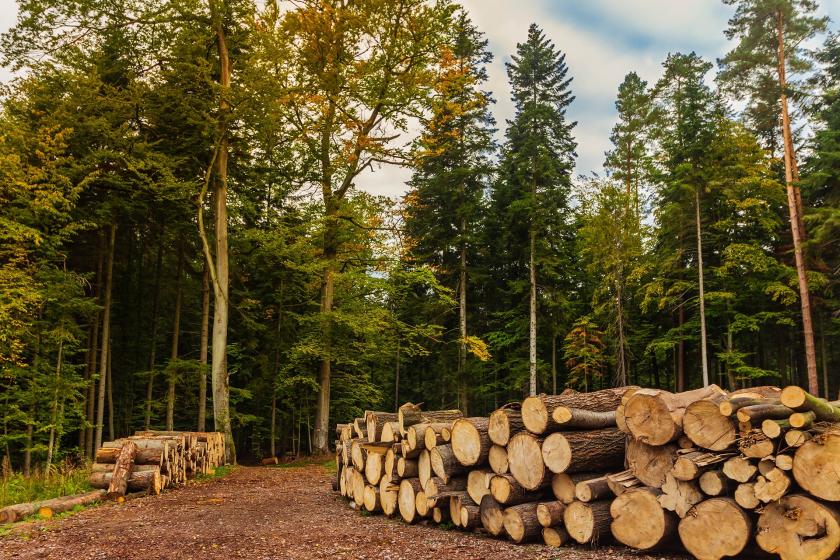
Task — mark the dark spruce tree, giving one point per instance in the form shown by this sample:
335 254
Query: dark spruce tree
444 206
532 227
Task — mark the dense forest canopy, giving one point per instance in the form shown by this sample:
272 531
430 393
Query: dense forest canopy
184 244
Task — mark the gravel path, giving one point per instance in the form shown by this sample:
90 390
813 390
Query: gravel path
261 513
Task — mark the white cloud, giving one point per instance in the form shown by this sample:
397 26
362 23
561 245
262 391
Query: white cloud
603 41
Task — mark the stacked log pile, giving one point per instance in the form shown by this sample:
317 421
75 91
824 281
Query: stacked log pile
718 474
149 461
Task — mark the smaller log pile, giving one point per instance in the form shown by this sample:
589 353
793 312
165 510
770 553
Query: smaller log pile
150 461
653 470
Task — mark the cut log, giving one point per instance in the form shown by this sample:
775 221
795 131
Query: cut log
407 468
766 465
556 536
390 432
655 417
433 436
715 529
621 482
470 442
816 465
739 469
424 467
503 423
689 466
704 425
774 428
569 418
360 429
16 512
388 497
498 459
550 514
526 461
416 436
521 523
470 516
584 451
374 467
444 463
679 496
745 496
620 421
756 445
358 482
771 486
757 413
410 414
800 400
731 406
650 463
588 523
440 515
492 516
563 485
537 411
715 483
375 423
795 438
784 462
802 420
437 487
357 454
423 504
799 528
507 491
371 499
478 484
640 521
144 456
593 489
409 487
138 481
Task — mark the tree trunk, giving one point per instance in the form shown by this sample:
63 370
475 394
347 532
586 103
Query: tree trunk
122 470
532 315
470 442
526 461
220 379
508 492
27 451
153 337
656 417
110 386
203 346
492 515
815 466
463 385
537 411
703 354
680 381
51 447
795 210
16 512
521 522
176 332
90 415
106 335
503 423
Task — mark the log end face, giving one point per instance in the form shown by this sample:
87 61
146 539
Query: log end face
556 453
649 420
534 415
715 529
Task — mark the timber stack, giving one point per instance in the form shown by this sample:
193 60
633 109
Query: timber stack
758 468
150 461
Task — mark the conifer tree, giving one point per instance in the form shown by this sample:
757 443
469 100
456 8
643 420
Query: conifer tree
443 207
532 195
770 35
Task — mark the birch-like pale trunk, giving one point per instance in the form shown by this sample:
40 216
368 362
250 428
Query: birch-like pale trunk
106 336
703 357
795 210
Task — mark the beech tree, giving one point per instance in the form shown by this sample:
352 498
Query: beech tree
770 37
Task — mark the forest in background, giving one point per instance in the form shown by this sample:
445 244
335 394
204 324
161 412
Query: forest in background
183 243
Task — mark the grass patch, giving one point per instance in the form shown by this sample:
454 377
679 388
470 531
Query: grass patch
326 462
63 481
218 472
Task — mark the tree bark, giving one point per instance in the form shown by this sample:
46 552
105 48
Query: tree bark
106 335
219 374
176 332
203 346
588 523
795 210
584 451
153 337
463 385
703 355
532 312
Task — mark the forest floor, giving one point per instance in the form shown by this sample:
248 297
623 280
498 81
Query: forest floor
261 513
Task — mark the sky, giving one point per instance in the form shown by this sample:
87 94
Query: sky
603 40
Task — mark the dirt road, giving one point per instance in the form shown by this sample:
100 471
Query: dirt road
260 514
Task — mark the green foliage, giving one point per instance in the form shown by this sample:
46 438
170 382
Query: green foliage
63 481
